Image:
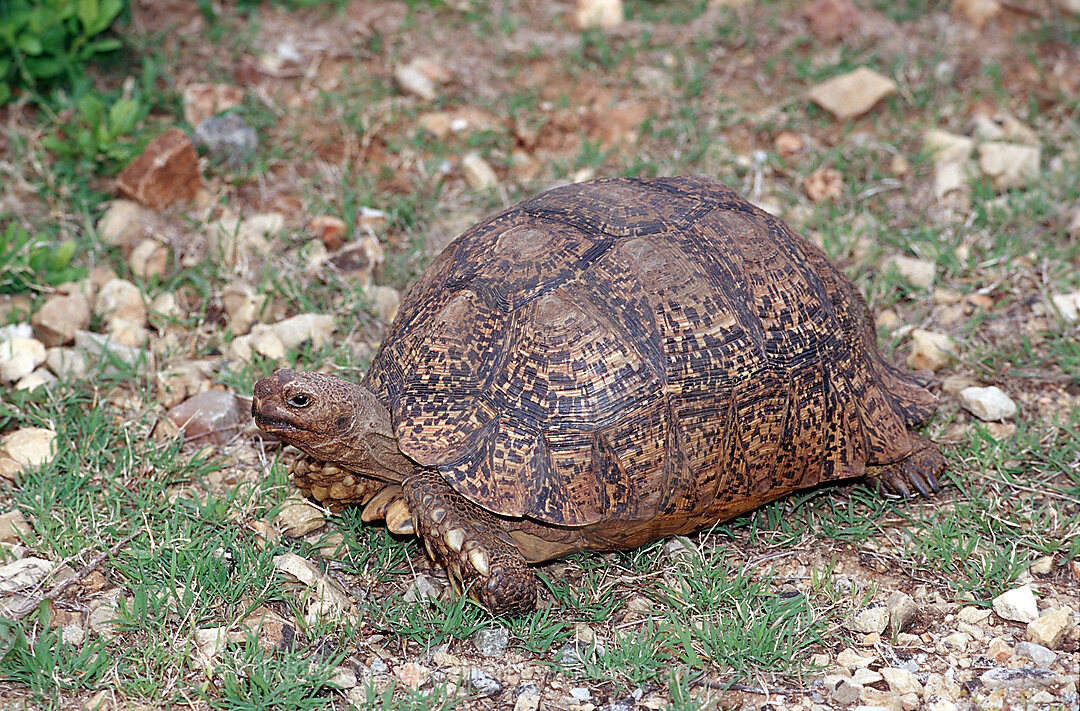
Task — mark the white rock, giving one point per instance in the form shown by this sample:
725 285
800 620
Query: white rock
149 259
946 147
298 517
30 446
930 350
865 676
318 328
1068 305
1037 653
478 173
1009 165
1070 6
853 94
385 301
1050 628
120 301
950 176
869 621
242 305
957 640
125 223
901 681
1003 127
411 79
209 644
1074 224
1018 605
67 363
850 659
936 703
19 357
917 272
166 306
39 378
989 404
59 317
343 678
603 14
96 345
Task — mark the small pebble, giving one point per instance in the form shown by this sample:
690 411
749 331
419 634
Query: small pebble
492 643
1018 605
988 404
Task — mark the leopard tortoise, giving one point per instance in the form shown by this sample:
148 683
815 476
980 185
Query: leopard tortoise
601 366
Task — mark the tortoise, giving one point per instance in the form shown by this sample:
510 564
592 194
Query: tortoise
603 365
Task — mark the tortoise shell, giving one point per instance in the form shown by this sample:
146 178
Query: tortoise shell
639 350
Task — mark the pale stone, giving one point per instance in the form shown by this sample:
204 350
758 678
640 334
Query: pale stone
342 678
936 703
437 123
318 328
902 611
602 14
988 404
1042 566
1074 224
411 79
149 259
242 305
67 363
19 579
421 588
946 147
853 94
59 317
1050 628
901 681
930 350
13 527
917 272
29 446
1018 605
1068 305
209 644
216 415
1009 165
1037 653
1003 127
203 100
39 378
478 172
385 301
491 643
298 517
19 357
484 684
864 676
126 223
940 686
977 12
868 621
850 659
957 640
165 306
97 345
120 301
950 177
1019 678
412 675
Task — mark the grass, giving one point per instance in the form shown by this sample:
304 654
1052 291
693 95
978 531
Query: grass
747 602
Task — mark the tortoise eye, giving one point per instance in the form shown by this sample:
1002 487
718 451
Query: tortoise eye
301 400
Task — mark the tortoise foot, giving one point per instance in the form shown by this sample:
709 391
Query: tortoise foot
915 474
331 485
479 555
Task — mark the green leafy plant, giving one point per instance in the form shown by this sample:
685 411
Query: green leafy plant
45 41
28 262
99 137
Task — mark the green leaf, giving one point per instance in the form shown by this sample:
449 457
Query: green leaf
5 92
101 46
89 15
61 256
122 116
29 44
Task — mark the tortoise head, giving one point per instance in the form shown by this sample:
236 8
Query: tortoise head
329 418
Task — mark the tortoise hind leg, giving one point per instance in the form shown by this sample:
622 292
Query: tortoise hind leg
919 471
474 547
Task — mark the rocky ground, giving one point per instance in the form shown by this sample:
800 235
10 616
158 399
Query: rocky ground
306 164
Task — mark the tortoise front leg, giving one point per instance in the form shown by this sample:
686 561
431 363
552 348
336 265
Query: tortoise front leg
474 547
